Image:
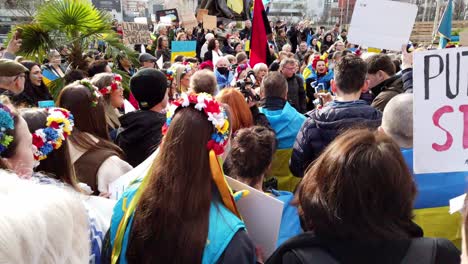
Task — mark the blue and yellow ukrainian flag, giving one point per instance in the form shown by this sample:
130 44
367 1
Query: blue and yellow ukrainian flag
432 201
48 76
184 48
286 122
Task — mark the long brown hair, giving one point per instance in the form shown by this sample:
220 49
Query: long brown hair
58 163
358 189
88 119
171 220
241 117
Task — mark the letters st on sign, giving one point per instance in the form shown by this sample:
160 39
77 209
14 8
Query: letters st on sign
440 114
453 88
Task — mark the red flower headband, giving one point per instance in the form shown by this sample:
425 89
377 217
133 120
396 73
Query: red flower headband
214 111
318 58
115 85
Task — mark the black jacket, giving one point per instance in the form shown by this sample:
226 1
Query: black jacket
297 94
407 78
140 134
386 90
298 249
324 125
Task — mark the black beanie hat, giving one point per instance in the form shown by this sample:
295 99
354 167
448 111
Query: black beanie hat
149 87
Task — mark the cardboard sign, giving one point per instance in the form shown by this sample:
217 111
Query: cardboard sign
440 123
261 214
189 20
464 38
172 13
382 24
201 14
184 48
209 22
135 33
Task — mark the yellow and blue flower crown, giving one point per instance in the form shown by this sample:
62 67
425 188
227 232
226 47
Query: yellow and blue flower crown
6 123
216 115
59 126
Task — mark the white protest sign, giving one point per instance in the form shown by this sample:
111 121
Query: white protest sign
440 114
119 186
261 214
457 204
382 23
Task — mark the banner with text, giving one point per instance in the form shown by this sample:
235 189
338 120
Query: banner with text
440 111
135 33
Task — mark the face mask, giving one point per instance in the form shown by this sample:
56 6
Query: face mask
223 70
111 64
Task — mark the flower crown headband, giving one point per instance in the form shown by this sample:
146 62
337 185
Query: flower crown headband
172 71
59 127
6 122
216 115
114 86
318 58
94 92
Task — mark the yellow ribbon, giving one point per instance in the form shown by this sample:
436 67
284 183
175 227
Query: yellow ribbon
220 181
117 249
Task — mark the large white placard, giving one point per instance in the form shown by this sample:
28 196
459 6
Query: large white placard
261 214
441 110
382 24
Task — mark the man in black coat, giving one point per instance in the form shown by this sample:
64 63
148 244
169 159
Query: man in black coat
296 92
343 112
141 131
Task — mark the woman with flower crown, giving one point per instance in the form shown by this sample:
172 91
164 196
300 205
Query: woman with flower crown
50 129
182 211
96 160
48 141
110 86
15 141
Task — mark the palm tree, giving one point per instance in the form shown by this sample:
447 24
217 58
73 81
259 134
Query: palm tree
72 23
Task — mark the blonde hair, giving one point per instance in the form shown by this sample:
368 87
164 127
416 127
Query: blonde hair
179 69
102 80
41 223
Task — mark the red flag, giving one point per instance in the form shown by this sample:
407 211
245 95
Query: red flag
259 41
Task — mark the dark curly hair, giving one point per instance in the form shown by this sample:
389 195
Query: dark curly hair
252 153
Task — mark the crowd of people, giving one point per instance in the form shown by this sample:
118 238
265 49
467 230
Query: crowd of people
323 126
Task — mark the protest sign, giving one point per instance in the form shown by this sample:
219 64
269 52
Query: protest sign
119 186
440 116
172 13
189 20
457 204
382 24
135 33
201 13
261 214
184 48
209 22
464 38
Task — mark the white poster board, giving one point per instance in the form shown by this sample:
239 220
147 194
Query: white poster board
261 214
382 24
119 186
457 204
440 101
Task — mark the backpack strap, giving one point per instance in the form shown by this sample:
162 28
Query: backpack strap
317 254
422 250
87 166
